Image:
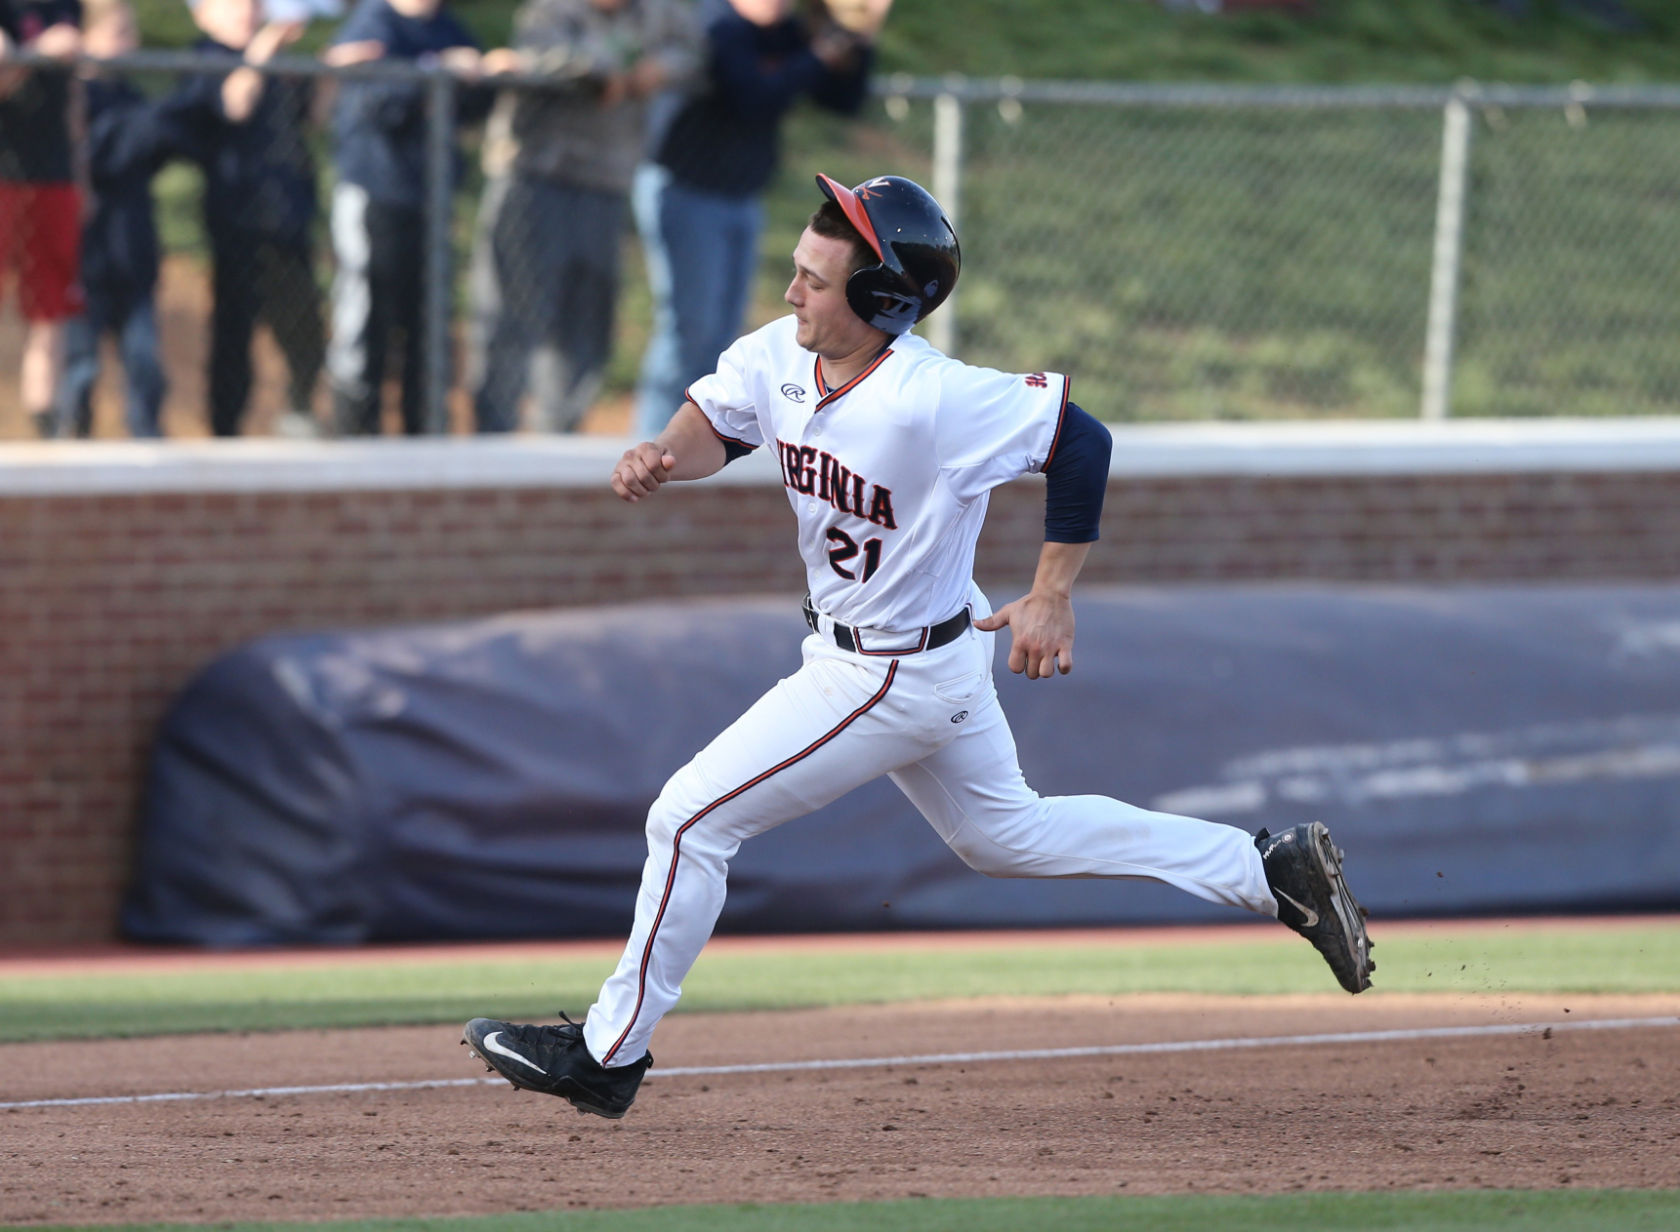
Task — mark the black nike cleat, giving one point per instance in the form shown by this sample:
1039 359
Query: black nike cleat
555 1061
1304 871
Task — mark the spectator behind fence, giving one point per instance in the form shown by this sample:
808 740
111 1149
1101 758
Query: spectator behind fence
128 138
40 206
379 203
559 163
250 136
698 202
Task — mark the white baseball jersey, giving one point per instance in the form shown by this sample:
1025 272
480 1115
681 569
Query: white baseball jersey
890 474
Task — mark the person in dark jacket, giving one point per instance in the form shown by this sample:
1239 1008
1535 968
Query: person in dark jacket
249 130
127 140
40 203
378 204
698 202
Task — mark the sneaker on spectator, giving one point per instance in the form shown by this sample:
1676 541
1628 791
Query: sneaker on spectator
297 425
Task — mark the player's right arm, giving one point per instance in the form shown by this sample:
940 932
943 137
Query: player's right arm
688 448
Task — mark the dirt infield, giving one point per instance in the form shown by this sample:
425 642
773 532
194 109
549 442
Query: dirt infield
1532 1109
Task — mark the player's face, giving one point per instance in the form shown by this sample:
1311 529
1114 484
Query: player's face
817 294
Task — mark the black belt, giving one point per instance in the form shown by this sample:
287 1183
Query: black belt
930 638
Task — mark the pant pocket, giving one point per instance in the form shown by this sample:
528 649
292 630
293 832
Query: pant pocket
960 689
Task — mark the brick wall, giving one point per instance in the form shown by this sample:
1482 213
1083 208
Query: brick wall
124 569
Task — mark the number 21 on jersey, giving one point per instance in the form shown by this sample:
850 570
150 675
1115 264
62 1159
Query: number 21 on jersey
843 549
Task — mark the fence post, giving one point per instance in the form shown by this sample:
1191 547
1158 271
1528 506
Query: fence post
1442 329
440 193
947 188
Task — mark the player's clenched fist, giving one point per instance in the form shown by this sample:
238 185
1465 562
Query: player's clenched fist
641 470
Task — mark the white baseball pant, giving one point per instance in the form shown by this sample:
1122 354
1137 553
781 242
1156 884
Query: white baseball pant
840 721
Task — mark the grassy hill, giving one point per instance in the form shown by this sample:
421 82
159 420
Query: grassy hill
1140 40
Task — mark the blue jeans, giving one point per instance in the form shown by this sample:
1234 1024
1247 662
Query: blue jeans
133 320
702 253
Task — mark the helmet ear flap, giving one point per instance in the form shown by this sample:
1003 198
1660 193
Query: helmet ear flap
885 300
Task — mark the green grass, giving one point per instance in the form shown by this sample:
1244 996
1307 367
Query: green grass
1138 40
1636 958
1584 1211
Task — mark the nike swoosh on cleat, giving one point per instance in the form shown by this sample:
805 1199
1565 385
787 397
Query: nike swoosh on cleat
1312 917
493 1044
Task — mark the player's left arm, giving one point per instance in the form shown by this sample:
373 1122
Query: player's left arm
1041 621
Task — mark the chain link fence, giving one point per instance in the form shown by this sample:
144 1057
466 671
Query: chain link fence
1206 253
1185 252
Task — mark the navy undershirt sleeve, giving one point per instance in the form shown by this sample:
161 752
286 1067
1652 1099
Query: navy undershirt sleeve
1076 478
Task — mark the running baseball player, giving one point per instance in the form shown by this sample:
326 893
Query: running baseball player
888 451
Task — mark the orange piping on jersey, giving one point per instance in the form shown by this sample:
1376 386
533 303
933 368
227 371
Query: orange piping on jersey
676 842
855 213
831 395
727 440
1061 422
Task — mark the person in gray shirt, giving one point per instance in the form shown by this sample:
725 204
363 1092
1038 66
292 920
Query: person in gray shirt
558 163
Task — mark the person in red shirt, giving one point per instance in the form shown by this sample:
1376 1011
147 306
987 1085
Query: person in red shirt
40 206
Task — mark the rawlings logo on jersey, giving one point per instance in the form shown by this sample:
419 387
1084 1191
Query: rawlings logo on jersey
812 472
793 393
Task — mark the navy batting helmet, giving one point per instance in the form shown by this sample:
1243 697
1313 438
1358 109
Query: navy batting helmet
920 260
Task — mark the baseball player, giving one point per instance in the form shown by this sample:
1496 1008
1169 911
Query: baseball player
888 451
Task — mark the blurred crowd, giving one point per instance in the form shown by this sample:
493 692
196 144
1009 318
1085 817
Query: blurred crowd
596 112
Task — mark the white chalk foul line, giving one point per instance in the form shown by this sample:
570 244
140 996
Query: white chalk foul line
932 1058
